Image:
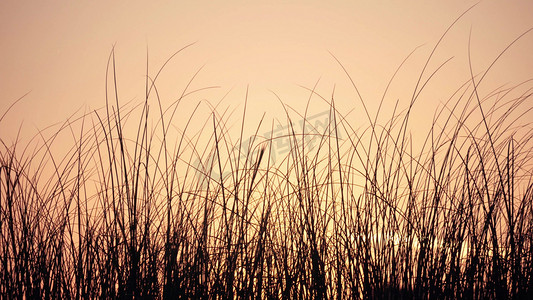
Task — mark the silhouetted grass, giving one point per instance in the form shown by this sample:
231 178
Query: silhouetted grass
369 213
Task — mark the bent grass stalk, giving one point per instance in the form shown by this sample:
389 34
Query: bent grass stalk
365 214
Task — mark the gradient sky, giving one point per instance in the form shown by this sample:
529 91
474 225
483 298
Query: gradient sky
58 50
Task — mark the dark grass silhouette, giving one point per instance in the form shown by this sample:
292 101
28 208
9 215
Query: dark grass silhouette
363 216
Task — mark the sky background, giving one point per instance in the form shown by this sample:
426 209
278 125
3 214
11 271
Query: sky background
58 51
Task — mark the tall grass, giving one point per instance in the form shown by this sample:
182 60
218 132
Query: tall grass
369 213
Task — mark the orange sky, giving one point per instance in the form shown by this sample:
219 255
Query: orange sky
57 51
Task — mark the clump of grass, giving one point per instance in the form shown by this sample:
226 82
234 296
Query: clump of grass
142 214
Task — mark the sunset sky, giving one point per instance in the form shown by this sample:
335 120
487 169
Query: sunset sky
58 50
